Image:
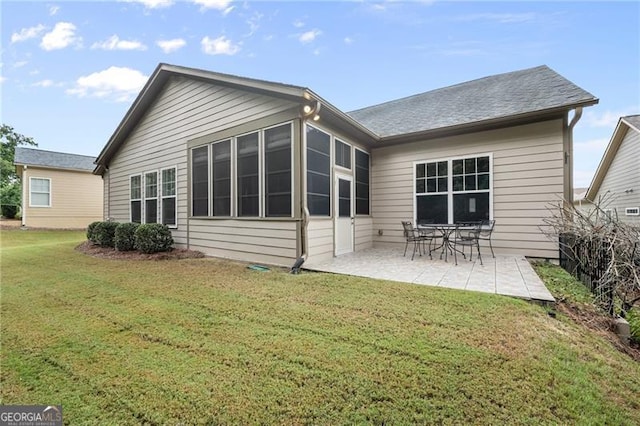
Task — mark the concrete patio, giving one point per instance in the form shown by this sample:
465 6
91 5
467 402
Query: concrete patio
504 275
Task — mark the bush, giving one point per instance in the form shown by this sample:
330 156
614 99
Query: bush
104 233
9 211
153 238
91 232
633 317
125 238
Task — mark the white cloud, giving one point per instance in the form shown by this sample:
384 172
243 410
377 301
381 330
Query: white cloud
254 23
27 33
152 4
298 23
348 40
117 83
43 83
593 145
63 35
114 43
219 46
172 45
20 64
2 79
221 5
582 178
607 118
309 36
54 10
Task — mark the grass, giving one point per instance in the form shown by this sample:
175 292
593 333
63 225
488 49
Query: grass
206 341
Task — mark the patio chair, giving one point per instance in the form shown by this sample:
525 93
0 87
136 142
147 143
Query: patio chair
486 229
466 236
412 235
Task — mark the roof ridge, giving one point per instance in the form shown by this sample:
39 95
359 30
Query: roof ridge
56 152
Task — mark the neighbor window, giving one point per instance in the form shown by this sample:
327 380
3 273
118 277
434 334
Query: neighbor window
39 192
200 181
343 154
277 164
318 172
248 175
151 197
453 190
168 204
221 178
362 182
632 211
135 196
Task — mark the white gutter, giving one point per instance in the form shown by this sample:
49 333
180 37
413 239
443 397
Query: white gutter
23 210
574 120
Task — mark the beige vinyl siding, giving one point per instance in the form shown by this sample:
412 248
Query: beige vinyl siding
320 239
623 174
528 170
267 241
105 198
184 110
364 233
75 197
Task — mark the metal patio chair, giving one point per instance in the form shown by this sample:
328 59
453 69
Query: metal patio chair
413 235
467 235
486 229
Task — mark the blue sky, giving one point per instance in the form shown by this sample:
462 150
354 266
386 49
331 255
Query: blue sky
70 70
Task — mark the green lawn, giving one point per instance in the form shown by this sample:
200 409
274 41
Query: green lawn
206 341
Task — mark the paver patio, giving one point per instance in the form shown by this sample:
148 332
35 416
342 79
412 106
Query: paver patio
509 275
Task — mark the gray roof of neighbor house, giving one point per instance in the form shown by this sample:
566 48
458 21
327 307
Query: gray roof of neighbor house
634 120
515 94
54 160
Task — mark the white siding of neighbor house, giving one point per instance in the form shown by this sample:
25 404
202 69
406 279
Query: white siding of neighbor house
528 170
623 174
184 110
75 197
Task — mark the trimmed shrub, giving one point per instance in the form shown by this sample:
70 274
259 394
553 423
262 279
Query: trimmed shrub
91 232
9 211
104 233
125 236
153 238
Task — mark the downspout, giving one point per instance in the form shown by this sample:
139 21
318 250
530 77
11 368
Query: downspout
304 241
23 210
574 120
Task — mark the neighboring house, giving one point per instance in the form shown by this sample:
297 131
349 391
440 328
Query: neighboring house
580 201
616 183
58 190
268 172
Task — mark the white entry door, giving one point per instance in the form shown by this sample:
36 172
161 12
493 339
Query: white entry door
343 214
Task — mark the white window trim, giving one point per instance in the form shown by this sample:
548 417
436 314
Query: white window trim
39 206
450 191
632 211
355 182
136 199
162 197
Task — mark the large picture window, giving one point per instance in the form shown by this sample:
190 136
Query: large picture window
168 203
221 177
200 181
277 163
318 172
151 197
39 192
453 190
362 182
248 175
135 196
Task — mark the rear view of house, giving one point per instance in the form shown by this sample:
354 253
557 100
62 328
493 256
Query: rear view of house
616 183
269 172
59 190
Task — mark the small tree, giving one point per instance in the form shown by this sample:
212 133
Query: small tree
10 198
10 139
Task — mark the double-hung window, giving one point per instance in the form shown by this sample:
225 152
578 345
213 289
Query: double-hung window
135 195
151 197
168 204
453 190
39 192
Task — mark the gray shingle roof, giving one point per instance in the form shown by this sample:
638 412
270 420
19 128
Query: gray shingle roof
58 160
500 96
634 120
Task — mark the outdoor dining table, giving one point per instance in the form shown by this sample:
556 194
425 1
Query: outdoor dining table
445 230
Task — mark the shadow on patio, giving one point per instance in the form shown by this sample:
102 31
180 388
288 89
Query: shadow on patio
505 275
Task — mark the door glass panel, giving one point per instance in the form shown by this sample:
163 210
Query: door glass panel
344 198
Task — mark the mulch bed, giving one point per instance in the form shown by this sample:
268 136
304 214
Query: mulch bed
91 249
